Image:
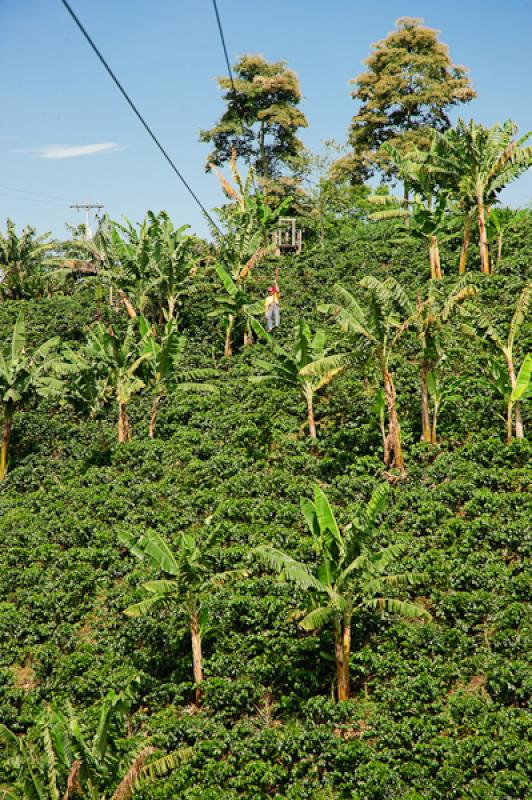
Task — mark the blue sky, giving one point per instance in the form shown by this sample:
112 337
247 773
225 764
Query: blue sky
55 95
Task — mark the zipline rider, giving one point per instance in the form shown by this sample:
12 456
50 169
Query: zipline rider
272 308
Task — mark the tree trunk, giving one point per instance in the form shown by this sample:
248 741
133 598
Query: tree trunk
395 457
435 264
6 437
434 432
124 432
342 650
499 248
465 245
483 238
153 415
228 346
262 150
103 438
519 429
509 421
310 413
197 656
425 408
132 314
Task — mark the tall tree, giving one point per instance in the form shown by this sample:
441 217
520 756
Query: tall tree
261 120
309 366
24 375
480 162
379 324
406 91
349 576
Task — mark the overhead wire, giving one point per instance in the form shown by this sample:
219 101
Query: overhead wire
139 115
224 46
52 203
37 194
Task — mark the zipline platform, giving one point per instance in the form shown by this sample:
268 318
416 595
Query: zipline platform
287 238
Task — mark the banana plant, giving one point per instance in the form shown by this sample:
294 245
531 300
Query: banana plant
236 307
308 366
426 220
498 221
248 222
66 761
25 375
152 265
27 263
163 369
514 387
188 584
116 361
350 575
432 313
379 325
478 163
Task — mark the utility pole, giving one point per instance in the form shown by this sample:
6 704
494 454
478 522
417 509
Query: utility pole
86 207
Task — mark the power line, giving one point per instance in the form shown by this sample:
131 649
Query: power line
37 194
222 37
139 115
32 199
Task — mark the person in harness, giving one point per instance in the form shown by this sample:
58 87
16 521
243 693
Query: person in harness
272 309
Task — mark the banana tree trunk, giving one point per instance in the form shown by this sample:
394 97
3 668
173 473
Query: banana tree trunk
465 245
483 237
426 435
132 314
342 651
435 263
499 248
395 456
434 432
519 428
6 438
509 421
153 415
310 413
228 346
124 431
197 655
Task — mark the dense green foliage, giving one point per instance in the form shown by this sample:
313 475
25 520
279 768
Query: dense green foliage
437 708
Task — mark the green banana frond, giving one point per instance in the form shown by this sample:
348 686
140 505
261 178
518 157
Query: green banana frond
293 570
402 608
144 606
522 382
316 618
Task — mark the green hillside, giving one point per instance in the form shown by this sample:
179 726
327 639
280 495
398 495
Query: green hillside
438 705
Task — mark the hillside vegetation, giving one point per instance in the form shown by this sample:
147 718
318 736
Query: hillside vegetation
438 704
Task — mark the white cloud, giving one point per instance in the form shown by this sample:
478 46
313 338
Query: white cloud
58 152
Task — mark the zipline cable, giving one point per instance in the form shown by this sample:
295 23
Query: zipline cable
140 117
222 37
